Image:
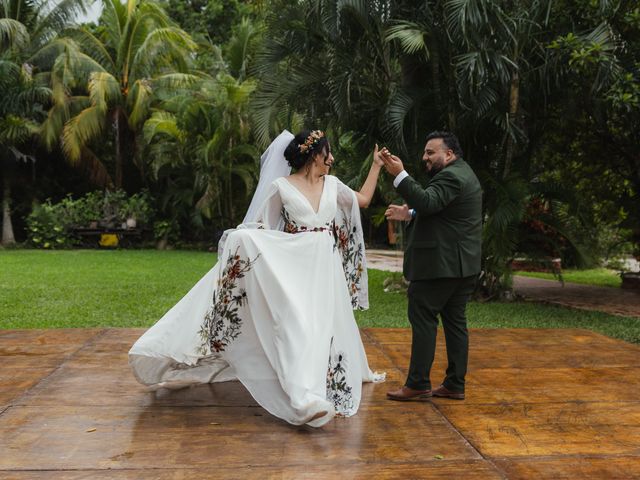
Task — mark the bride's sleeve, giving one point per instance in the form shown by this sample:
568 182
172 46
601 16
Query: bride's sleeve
269 216
350 239
270 213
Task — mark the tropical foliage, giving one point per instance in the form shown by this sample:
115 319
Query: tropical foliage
103 83
26 28
179 97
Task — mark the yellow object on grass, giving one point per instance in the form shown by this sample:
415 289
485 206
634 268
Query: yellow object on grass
108 240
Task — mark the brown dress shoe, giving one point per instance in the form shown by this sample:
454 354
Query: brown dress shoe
405 393
444 392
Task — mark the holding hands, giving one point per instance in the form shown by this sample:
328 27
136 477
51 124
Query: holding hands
392 164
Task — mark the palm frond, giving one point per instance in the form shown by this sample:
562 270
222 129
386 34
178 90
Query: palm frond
114 19
80 130
104 90
53 126
13 34
176 81
55 20
92 46
240 48
15 130
411 37
161 47
9 73
162 123
139 99
400 104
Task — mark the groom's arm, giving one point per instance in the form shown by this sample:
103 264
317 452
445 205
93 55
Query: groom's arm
443 189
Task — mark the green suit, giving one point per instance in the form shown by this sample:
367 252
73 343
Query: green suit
442 261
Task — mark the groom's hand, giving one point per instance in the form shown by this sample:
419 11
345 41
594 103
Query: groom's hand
392 164
398 212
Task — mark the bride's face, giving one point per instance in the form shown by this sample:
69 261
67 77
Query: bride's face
324 160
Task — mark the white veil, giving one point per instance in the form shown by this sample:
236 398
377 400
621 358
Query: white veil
272 165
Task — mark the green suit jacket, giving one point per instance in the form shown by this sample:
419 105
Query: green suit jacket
444 240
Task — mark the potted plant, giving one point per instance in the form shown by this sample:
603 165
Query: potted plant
165 232
136 209
90 209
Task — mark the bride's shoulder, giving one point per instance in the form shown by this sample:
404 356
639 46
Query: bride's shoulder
278 182
332 179
336 181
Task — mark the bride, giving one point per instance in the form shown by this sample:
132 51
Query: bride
276 311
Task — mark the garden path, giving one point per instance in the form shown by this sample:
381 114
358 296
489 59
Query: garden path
615 301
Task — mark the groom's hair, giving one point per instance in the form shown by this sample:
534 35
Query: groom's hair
449 139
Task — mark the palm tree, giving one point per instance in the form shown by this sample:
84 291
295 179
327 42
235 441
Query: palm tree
199 139
481 68
501 77
26 28
18 127
103 82
328 61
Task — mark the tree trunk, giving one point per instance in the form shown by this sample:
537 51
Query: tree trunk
7 226
451 101
514 99
118 150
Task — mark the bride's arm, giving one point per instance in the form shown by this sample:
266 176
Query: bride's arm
365 194
270 213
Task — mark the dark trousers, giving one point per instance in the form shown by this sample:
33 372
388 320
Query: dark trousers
428 298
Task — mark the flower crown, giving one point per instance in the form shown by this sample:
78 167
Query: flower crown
311 141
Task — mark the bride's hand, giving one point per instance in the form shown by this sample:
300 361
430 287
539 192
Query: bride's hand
377 157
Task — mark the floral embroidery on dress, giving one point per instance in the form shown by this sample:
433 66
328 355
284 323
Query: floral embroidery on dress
291 226
352 258
222 322
338 391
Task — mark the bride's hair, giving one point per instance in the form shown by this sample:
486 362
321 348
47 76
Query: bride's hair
304 146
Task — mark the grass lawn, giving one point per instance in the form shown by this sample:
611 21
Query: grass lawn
601 277
133 288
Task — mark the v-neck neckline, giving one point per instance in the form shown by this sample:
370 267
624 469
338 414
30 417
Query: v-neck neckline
324 187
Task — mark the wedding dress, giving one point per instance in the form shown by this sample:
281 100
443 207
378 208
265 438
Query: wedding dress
275 312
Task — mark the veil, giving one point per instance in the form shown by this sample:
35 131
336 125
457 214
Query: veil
272 165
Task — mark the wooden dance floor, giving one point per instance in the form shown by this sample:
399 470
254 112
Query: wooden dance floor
550 404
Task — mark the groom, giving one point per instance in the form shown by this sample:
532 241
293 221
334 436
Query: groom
441 260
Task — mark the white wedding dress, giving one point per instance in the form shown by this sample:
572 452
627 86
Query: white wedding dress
275 312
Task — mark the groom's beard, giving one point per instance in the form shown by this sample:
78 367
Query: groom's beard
433 171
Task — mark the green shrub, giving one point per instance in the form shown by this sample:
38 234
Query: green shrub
112 205
51 225
89 209
138 207
47 228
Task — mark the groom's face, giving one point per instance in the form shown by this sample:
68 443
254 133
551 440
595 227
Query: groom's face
437 155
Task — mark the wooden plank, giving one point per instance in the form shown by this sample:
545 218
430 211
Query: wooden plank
521 348
16 382
434 470
572 428
565 467
171 437
22 349
540 404
549 385
104 364
41 341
